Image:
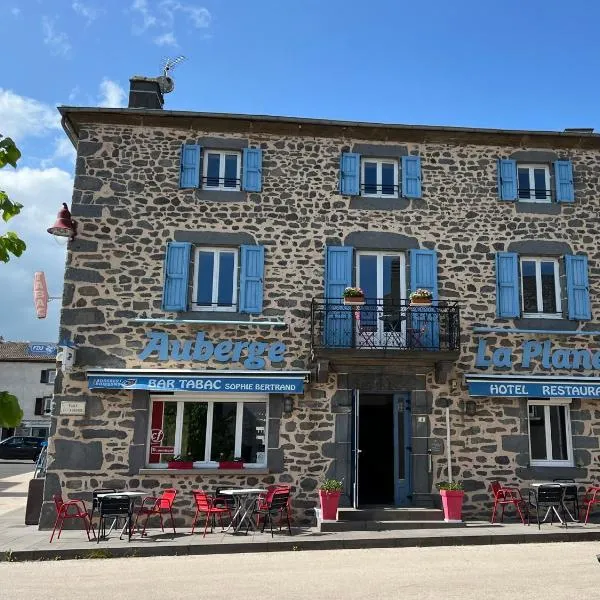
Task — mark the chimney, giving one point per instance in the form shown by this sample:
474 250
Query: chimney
144 92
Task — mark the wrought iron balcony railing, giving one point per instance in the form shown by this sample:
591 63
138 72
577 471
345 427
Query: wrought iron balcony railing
384 324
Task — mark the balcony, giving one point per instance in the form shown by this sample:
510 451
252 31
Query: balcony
385 333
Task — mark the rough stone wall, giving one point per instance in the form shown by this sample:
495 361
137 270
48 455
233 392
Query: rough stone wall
128 205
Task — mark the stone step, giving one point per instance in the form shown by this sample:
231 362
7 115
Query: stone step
390 514
331 526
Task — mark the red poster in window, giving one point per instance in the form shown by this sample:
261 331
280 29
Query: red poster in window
156 426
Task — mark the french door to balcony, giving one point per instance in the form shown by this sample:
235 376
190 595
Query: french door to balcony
381 322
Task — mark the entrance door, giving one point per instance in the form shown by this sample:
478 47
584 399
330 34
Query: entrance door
402 449
376 445
382 276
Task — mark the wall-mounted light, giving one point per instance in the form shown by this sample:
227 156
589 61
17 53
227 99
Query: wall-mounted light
288 405
470 408
64 225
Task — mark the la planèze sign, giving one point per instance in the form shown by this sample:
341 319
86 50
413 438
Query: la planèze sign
532 353
252 355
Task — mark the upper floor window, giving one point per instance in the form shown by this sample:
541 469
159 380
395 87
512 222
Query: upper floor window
216 282
540 287
550 441
48 376
380 178
221 170
534 183
216 279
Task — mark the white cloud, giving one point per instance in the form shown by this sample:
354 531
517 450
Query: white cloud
74 93
89 13
21 117
147 19
15 12
57 40
112 95
63 150
41 191
166 39
165 15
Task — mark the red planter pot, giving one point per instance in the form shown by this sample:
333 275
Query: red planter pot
183 464
329 505
231 464
452 501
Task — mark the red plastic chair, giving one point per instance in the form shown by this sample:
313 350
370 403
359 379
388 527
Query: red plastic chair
151 505
591 497
71 509
205 504
264 500
505 495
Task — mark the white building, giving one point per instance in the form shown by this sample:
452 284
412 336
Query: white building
27 370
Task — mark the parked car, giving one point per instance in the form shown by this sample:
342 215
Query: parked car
21 447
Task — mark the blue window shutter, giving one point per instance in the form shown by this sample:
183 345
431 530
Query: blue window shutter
507 179
338 276
411 176
190 166
252 170
563 177
578 292
423 274
508 304
176 277
350 174
251 279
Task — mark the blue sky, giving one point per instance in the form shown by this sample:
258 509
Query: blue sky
515 65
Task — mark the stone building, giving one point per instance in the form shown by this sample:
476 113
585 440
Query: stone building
27 371
204 294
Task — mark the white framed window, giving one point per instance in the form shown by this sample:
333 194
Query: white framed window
215 279
540 287
48 401
210 428
550 442
221 170
379 177
534 183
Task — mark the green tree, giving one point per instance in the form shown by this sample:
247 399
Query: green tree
10 243
10 411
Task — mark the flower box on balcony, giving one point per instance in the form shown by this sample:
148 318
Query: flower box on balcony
421 297
353 296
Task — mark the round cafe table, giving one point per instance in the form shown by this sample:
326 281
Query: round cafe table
245 501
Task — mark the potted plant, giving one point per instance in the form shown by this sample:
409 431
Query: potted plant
420 296
354 296
329 495
452 493
181 461
229 461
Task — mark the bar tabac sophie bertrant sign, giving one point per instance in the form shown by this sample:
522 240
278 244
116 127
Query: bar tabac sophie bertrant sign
544 356
251 355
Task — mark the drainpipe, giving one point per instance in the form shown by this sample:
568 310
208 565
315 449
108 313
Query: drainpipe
448 450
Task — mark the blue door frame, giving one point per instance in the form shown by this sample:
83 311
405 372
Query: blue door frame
402 450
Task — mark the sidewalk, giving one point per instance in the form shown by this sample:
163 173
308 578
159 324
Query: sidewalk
19 542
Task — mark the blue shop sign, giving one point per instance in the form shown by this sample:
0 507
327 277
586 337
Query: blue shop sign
199 383
46 350
250 354
535 389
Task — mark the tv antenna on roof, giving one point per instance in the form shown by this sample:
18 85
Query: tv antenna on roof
165 82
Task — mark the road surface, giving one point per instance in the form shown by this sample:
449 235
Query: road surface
557 571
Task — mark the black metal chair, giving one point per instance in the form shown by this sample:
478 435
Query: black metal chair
115 508
96 500
571 497
276 506
548 497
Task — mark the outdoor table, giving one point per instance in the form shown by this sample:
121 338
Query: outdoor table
245 500
132 497
563 484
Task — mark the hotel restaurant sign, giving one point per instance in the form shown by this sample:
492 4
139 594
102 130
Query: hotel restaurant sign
543 358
